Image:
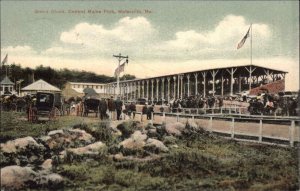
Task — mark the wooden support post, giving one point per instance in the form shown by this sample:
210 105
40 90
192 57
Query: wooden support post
232 128
231 72
292 130
152 118
210 124
260 131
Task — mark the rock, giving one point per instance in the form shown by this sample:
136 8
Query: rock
133 144
89 150
128 127
16 177
21 151
175 129
68 138
51 181
20 145
81 135
192 125
152 133
155 145
150 126
138 136
47 165
169 140
55 133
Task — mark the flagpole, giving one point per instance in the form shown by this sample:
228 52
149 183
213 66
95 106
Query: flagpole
251 45
120 58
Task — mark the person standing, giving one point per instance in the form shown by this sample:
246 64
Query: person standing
112 108
132 108
118 104
150 110
103 109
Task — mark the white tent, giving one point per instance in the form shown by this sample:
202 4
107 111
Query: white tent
40 85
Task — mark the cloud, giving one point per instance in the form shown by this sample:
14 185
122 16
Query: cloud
138 37
125 32
19 50
225 36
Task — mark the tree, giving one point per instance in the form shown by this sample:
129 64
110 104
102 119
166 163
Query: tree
127 77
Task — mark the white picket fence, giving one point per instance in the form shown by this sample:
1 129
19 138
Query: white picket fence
261 129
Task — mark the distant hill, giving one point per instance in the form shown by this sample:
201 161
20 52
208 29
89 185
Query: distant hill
56 77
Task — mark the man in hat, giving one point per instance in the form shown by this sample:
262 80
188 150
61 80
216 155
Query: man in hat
111 108
118 104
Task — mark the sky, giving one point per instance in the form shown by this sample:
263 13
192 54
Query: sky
160 37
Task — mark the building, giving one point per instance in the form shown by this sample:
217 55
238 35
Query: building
7 87
76 89
39 85
215 81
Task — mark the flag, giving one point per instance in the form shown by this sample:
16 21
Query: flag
120 69
4 60
240 45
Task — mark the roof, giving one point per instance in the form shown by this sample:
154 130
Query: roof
6 81
90 91
240 69
40 85
81 90
86 83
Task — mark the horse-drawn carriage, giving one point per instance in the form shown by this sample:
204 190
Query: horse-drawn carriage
45 105
91 105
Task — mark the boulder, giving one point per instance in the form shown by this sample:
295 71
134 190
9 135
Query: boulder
155 145
50 181
67 138
21 151
175 129
89 150
21 145
152 133
16 177
47 165
192 125
135 143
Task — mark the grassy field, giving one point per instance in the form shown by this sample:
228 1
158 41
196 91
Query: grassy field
199 162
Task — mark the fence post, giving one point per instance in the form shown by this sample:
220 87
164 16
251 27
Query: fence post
210 124
240 110
141 116
292 129
152 118
232 128
222 110
230 110
177 117
193 118
260 131
164 118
